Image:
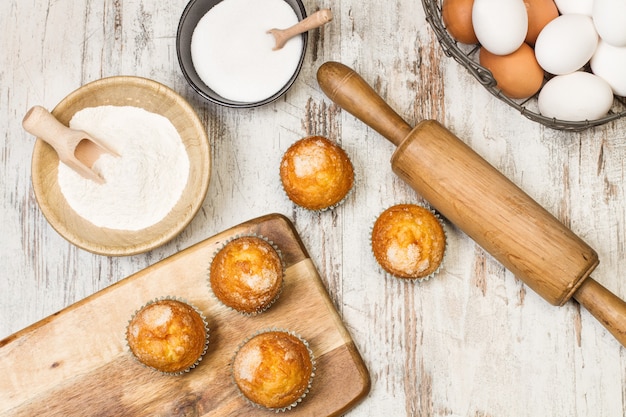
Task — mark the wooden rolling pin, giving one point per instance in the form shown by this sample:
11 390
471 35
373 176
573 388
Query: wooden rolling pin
482 202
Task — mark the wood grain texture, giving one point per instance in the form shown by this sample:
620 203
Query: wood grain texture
76 362
473 342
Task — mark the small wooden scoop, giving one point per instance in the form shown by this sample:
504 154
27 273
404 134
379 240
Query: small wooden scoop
317 19
75 148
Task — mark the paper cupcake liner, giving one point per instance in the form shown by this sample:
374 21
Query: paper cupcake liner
332 206
282 284
306 391
206 330
445 250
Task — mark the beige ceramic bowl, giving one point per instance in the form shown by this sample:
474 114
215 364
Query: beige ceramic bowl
124 91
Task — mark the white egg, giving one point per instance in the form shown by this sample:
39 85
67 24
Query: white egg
575 6
500 25
609 63
566 44
576 96
609 16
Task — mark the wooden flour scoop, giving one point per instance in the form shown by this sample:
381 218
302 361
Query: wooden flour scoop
482 202
75 148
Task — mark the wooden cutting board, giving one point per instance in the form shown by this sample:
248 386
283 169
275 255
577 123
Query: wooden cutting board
76 363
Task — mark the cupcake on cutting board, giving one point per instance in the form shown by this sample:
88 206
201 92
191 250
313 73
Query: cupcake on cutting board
273 369
168 335
246 274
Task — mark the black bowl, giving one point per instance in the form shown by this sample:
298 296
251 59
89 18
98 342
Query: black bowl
194 11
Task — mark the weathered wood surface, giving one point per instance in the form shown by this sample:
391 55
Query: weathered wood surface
472 342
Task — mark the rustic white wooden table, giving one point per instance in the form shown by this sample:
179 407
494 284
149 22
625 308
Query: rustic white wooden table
475 341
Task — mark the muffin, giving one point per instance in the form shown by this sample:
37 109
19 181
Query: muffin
316 173
408 241
168 335
273 369
247 274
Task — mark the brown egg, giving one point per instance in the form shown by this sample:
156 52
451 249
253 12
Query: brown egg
540 12
518 74
457 17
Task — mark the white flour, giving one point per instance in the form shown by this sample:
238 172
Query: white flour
232 53
143 184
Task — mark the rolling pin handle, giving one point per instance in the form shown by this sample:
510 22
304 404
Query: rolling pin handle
351 92
605 306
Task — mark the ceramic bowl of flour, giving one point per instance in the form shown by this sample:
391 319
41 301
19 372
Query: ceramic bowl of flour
155 187
225 52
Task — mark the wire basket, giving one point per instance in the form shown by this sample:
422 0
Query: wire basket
467 56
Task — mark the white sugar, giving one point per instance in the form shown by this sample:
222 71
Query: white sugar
261 281
307 165
158 316
249 362
407 258
232 52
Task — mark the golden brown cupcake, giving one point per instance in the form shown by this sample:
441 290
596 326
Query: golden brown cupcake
168 335
274 369
247 274
408 241
316 173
